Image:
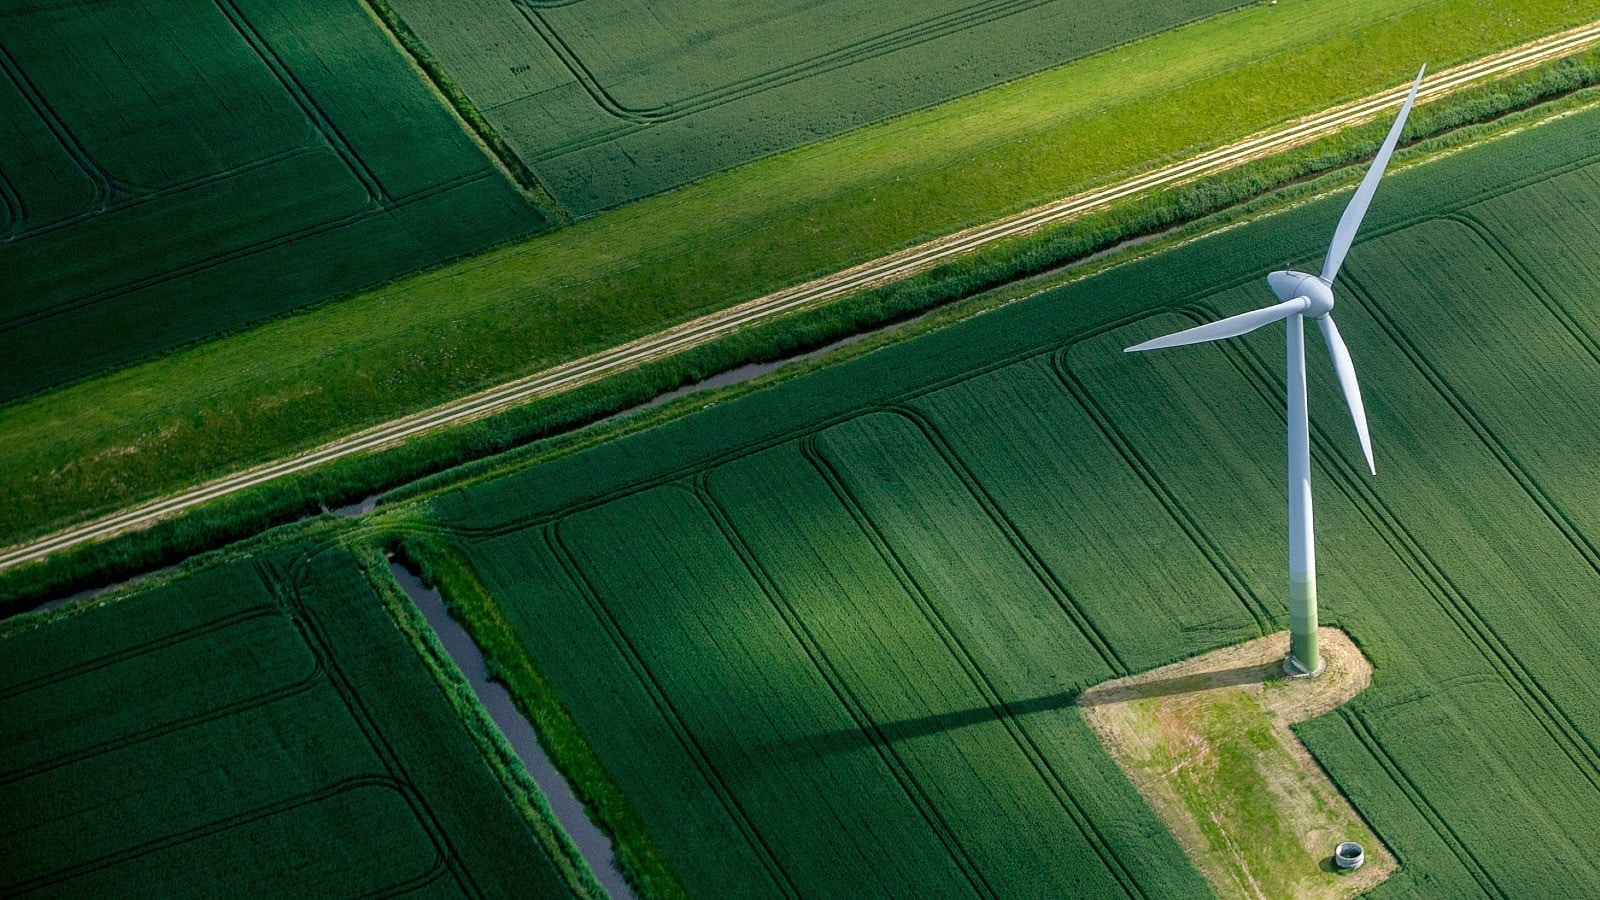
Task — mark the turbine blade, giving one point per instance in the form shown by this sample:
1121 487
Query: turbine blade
1346 371
1233 326
1345 234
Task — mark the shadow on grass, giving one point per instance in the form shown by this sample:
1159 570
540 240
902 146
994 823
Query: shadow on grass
852 739
846 740
1260 673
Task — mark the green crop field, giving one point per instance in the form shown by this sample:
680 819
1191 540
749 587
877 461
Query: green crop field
826 637
263 727
169 170
612 100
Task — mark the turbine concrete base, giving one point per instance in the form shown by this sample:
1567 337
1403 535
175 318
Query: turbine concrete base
1293 669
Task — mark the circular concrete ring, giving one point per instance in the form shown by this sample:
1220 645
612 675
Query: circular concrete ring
1349 855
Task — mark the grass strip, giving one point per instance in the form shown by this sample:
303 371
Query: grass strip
1207 742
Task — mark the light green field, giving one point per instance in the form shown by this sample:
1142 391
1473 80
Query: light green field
608 101
269 726
828 637
103 444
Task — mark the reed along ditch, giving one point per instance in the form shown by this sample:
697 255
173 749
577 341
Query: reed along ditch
518 731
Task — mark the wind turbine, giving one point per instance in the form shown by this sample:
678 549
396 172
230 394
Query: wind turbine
1303 295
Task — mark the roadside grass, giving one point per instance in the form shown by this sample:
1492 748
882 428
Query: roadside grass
296 382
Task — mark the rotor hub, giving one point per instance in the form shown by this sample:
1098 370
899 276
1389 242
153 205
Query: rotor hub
1289 285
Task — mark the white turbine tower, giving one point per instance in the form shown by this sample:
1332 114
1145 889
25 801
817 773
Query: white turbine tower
1307 295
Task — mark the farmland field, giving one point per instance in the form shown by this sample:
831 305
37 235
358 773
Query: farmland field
827 637
105 443
263 727
169 170
612 100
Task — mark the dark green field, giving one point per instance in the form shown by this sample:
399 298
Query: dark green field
827 637
260 728
613 100
169 170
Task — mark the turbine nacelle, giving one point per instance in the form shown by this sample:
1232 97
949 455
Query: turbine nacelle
1289 285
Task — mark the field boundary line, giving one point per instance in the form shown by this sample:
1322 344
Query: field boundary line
1079 393
227 823
1020 545
104 187
466 113
129 652
245 251
243 704
518 522
853 706
1363 734
315 115
286 586
941 25
147 195
568 562
696 332
830 472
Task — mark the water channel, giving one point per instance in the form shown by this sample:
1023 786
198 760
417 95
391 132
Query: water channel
569 811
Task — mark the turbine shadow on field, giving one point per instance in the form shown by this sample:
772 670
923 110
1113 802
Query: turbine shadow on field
1260 673
852 739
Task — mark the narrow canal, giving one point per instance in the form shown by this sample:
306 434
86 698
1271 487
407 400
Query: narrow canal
592 843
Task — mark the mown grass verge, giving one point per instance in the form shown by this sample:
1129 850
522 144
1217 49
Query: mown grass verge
984 281
297 382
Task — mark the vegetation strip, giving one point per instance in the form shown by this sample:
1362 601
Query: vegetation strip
708 328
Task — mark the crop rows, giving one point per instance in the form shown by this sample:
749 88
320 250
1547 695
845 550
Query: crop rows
853 611
825 667
613 100
174 170
262 725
